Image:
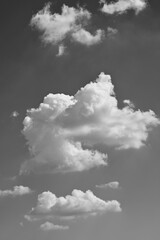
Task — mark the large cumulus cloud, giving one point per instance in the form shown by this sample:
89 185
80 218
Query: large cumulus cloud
78 204
64 131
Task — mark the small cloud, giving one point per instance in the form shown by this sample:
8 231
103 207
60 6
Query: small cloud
14 114
113 185
111 32
21 224
86 38
61 50
129 103
122 6
29 218
48 226
17 191
13 179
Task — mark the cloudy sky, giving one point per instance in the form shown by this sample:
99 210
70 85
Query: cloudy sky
80 120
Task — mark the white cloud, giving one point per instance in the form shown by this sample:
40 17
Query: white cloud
113 185
122 6
61 50
48 226
129 103
86 38
14 114
78 204
17 191
70 24
64 132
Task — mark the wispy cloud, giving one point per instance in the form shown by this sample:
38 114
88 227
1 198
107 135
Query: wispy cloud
64 131
17 191
70 24
122 6
48 226
111 32
113 185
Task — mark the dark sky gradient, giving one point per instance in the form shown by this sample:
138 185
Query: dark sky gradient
29 71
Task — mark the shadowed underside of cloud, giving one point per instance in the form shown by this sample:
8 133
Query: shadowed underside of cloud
70 24
64 131
122 6
48 226
17 191
78 204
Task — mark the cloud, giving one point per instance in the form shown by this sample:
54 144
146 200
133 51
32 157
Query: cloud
64 133
86 38
17 191
48 226
129 103
122 6
70 24
21 224
78 204
61 50
14 114
111 31
113 185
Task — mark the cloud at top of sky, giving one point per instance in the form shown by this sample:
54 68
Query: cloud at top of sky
71 23
78 204
122 6
17 191
64 132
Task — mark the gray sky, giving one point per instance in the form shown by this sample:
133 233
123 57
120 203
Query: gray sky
91 147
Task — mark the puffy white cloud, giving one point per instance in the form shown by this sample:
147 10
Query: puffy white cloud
70 24
113 185
78 204
17 191
65 131
122 6
86 38
48 226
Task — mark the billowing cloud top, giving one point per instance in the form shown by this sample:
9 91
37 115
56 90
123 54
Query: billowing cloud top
77 204
121 6
64 131
17 191
71 24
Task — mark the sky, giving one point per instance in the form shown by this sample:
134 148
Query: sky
80 120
